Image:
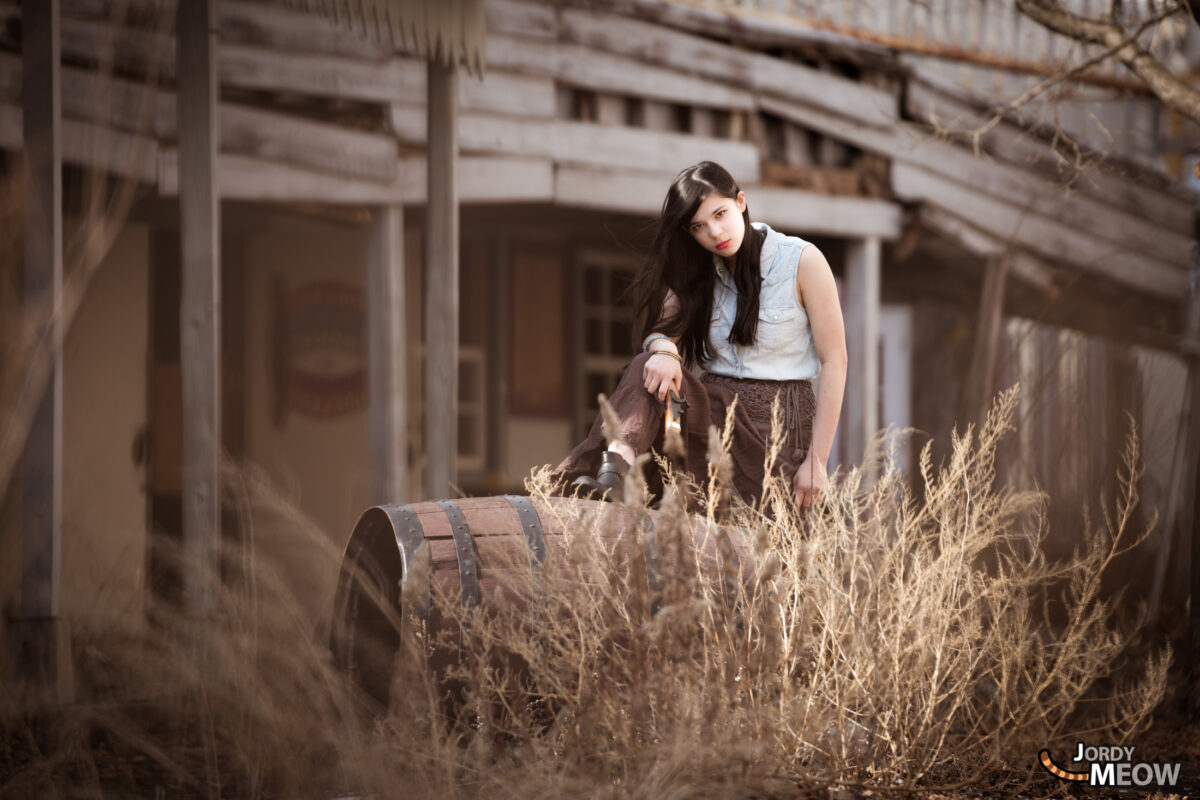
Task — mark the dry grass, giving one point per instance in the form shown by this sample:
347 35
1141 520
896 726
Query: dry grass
885 642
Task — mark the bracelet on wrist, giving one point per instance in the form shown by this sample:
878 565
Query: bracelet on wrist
651 339
673 355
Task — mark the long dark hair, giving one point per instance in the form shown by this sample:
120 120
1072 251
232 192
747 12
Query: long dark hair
678 262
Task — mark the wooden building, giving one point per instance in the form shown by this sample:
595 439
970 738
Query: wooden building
840 132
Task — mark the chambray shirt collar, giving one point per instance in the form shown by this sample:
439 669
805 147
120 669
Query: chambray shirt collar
766 260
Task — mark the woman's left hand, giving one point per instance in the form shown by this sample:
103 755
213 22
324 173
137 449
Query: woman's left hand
810 481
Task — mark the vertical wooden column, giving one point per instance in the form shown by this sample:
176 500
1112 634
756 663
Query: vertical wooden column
200 309
862 345
387 367
978 387
1188 524
441 282
42 644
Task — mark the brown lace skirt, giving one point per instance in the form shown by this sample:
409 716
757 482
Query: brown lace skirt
708 398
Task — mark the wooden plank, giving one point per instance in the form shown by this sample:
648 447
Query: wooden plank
296 140
793 210
916 145
482 180
324 76
611 190
441 285
809 213
685 53
387 363
275 27
398 80
1054 242
93 146
861 418
586 143
508 93
979 386
42 287
123 104
1023 265
589 68
319 146
1011 144
266 25
244 63
200 311
530 20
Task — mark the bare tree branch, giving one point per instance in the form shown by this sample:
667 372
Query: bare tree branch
1042 86
1106 32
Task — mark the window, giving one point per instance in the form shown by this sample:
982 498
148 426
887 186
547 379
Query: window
605 336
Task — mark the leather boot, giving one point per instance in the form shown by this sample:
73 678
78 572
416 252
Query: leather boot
610 478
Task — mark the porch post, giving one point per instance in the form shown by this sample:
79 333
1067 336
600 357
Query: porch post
862 345
441 282
42 643
200 309
387 391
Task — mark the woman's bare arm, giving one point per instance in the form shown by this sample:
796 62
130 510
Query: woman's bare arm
817 292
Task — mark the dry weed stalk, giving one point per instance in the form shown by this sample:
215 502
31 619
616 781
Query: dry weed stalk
887 641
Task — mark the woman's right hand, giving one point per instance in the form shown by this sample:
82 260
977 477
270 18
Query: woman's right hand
662 373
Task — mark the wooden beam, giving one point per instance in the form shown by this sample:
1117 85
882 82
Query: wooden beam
387 362
323 71
1041 235
40 643
656 44
586 143
482 179
441 285
611 190
1009 143
1025 266
589 68
86 95
272 26
38 653
979 384
810 213
89 145
1024 188
200 310
861 419
129 106
805 213
530 20
316 145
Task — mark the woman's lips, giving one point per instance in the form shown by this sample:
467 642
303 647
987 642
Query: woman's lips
724 244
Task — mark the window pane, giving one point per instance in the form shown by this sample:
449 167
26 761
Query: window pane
468 383
593 336
468 435
619 280
597 383
593 287
620 333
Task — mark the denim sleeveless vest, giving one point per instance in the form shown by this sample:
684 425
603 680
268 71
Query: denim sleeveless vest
784 347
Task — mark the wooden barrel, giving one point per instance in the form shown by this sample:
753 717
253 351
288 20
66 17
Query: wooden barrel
473 545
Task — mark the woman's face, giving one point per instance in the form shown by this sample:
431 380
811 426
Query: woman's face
718 225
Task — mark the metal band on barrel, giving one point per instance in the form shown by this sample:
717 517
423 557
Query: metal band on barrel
406 526
468 570
531 527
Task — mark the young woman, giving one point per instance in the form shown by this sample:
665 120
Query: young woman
759 312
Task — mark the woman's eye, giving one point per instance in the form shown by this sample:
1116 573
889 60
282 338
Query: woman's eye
720 213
